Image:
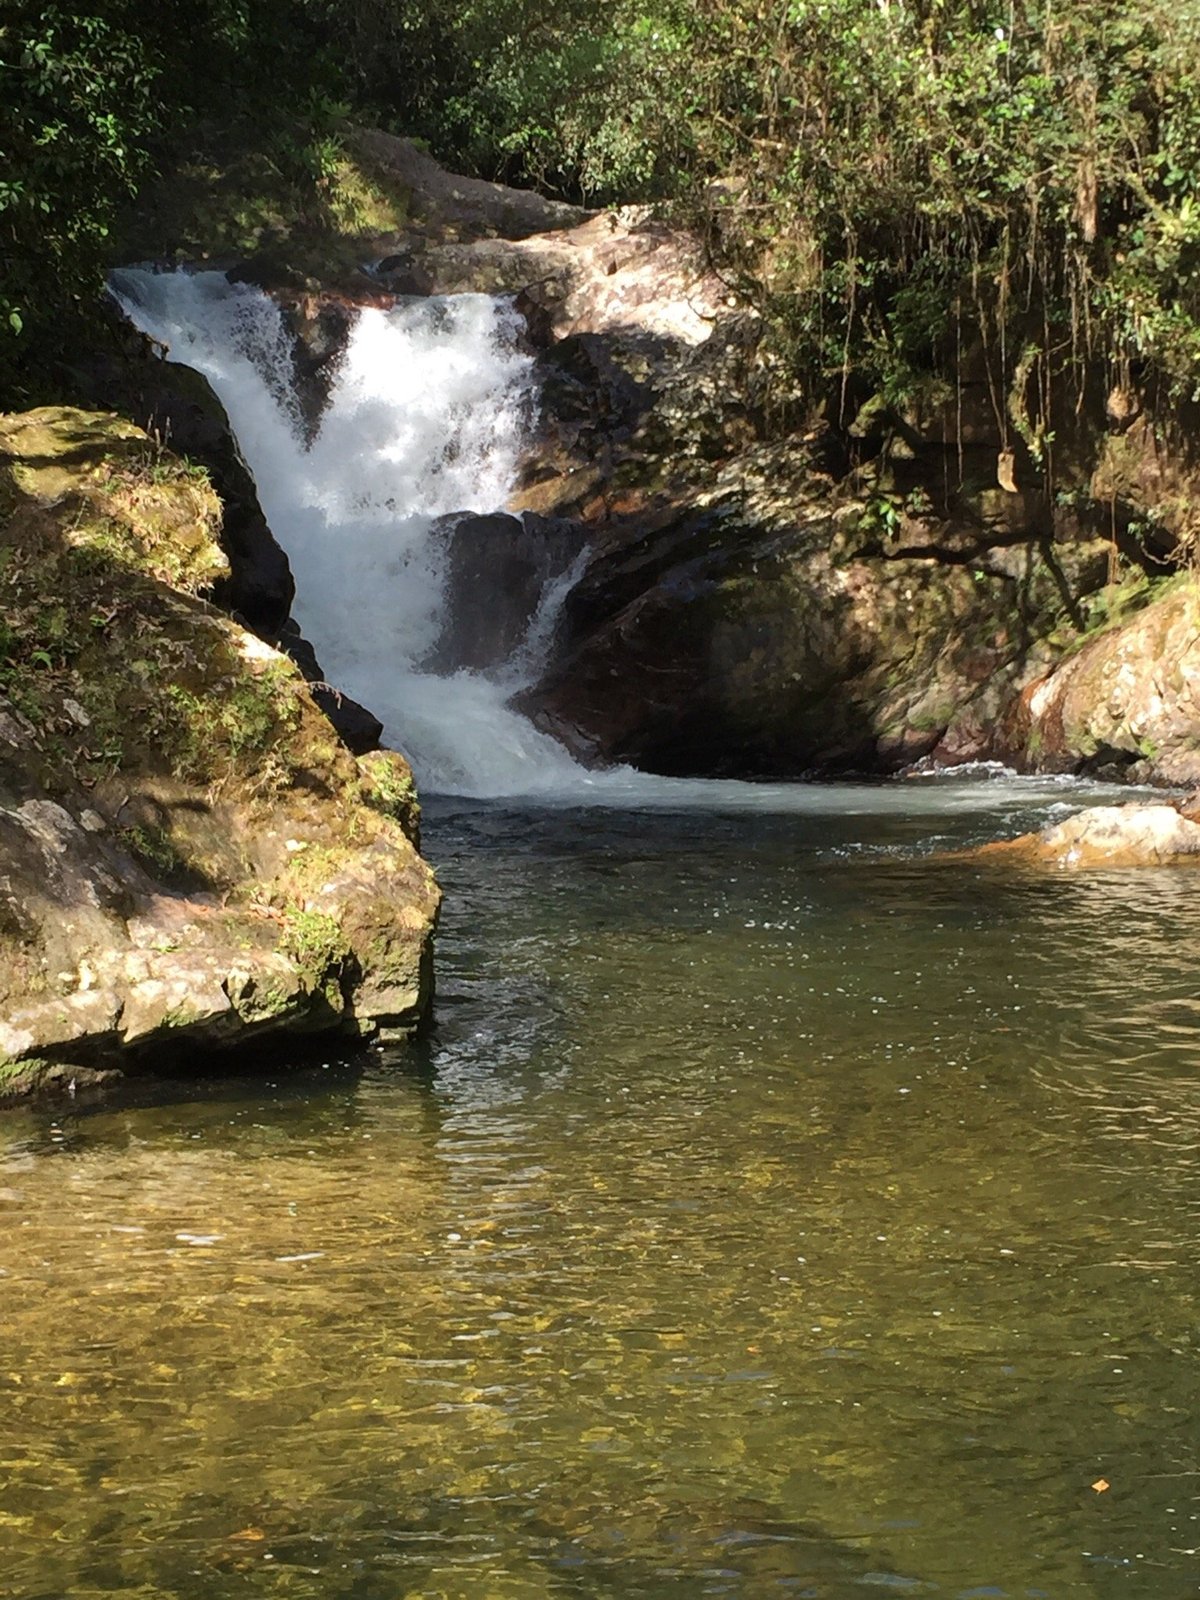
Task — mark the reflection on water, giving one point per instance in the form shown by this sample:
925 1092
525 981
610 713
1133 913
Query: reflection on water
775 1211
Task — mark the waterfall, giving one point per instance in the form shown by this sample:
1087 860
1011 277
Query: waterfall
426 416
428 409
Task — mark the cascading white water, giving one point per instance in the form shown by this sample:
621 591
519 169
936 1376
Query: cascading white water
426 416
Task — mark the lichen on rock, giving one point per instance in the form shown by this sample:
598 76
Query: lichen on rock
178 820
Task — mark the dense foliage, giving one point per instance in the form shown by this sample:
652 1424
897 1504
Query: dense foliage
1017 179
893 182
75 105
90 101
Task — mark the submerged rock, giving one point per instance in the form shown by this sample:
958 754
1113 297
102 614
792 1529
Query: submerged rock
320 326
189 860
1106 836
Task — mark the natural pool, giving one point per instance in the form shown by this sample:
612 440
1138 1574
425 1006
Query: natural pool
775 1210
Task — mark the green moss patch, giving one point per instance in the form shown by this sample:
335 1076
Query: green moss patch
106 644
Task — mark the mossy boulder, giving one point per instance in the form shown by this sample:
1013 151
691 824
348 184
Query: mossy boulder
126 373
189 858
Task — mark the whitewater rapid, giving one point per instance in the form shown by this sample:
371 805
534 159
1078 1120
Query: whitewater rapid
426 416
429 407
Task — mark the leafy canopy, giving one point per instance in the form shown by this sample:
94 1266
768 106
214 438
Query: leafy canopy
891 182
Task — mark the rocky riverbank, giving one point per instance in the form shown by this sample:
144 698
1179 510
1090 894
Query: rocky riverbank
191 860
202 849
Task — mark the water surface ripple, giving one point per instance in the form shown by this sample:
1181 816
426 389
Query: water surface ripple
776 1210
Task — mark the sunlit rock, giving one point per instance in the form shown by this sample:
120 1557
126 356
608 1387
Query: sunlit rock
1106 836
189 858
1128 699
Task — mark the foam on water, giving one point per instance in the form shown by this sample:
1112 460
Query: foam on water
426 416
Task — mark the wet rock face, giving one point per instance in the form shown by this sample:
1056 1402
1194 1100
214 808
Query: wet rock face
498 569
797 608
771 664
189 860
320 325
359 730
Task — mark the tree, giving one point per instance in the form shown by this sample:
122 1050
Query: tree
76 110
89 103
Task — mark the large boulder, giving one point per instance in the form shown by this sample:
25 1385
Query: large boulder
1126 700
1105 836
446 204
189 860
771 626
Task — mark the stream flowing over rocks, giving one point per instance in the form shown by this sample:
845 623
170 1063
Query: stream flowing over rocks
549 516
766 593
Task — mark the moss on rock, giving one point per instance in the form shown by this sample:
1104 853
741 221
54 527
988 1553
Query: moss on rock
235 199
179 835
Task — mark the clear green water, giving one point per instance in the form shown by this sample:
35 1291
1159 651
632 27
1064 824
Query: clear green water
776 1211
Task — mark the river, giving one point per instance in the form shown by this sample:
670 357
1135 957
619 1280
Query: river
774 1209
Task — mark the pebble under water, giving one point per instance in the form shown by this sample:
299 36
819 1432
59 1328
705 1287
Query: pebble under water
774 1209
